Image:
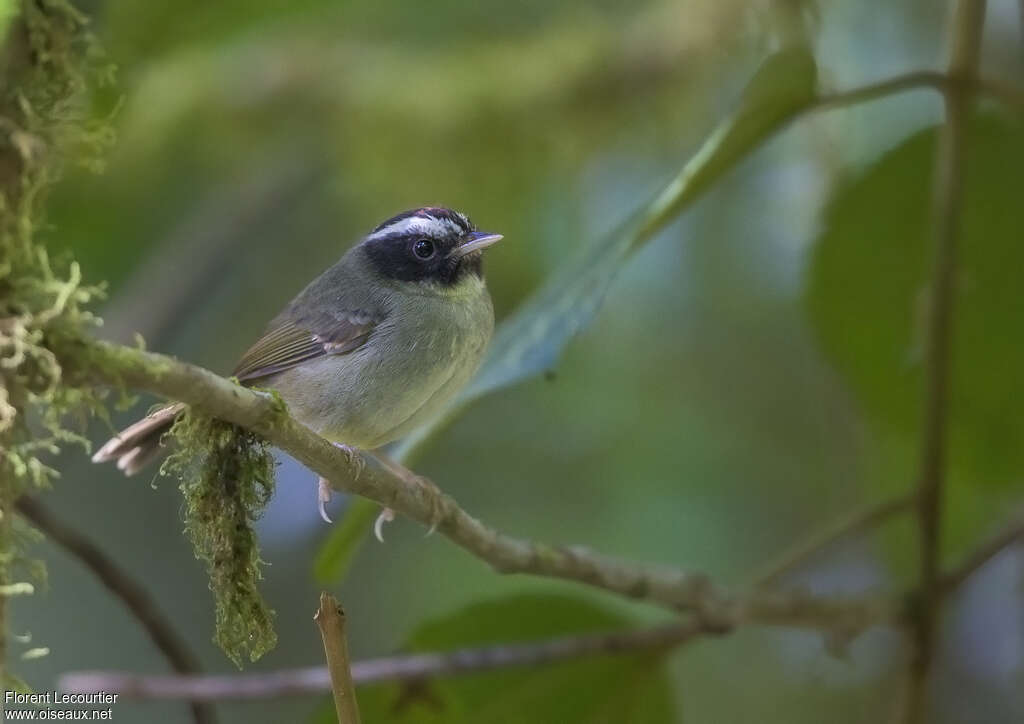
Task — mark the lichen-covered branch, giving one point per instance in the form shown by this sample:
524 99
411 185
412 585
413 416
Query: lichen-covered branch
46 60
408 494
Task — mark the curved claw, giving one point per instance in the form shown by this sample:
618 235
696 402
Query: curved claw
386 516
323 495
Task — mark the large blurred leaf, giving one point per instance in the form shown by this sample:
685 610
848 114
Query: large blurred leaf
866 298
7 11
336 554
530 341
611 689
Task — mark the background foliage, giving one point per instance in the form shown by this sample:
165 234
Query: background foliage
752 372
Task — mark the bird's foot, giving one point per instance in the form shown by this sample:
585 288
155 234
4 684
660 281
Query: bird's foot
323 496
354 458
324 491
436 501
386 516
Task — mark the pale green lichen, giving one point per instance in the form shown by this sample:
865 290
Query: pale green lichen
227 478
47 63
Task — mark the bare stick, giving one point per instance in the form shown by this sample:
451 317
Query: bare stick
331 620
966 28
858 521
976 559
131 593
416 667
412 667
1008 95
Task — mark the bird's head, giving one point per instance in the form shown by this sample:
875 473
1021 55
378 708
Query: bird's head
430 245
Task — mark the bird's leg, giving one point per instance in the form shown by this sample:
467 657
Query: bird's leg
324 491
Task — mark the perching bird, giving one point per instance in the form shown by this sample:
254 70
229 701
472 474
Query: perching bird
373 346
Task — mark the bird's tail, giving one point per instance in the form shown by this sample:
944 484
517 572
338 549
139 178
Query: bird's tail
139 444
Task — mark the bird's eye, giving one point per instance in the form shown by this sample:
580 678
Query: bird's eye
423 248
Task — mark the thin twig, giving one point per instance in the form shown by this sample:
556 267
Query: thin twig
331 620
120 583
986 551
417 667
410 667
1006 94
854 523
916 80
966 29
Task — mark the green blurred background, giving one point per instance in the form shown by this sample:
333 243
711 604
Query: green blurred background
752 375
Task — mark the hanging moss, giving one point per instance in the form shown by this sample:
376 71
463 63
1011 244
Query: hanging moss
227 478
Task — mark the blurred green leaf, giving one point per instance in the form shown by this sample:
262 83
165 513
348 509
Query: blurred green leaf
7 12
531 340
13 682
866 297
335 556
612 689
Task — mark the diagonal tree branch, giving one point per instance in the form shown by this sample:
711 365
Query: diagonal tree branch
966 26
416 498
123 586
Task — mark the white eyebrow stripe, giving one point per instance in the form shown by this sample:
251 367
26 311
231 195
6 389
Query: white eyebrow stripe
427 225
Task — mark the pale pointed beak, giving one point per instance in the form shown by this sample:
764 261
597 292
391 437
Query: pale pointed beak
476 241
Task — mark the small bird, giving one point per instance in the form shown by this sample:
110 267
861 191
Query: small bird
372 347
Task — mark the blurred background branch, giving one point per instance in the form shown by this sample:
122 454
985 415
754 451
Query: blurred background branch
408 668
966 26
424 666
125 588
857 522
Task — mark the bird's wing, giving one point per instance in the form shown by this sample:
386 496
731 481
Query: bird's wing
290 342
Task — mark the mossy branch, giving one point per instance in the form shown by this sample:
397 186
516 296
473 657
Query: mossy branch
46 61
265 415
